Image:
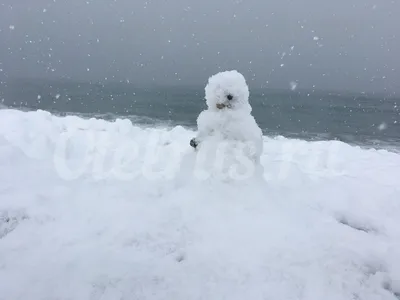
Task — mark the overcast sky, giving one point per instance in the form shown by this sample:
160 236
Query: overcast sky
337 44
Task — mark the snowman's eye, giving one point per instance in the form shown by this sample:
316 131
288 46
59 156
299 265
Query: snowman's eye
229 97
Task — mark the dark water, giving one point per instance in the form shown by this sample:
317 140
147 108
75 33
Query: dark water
310 115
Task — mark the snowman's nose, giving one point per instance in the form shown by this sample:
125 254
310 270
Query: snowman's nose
229 96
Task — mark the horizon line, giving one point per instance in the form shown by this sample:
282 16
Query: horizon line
201 87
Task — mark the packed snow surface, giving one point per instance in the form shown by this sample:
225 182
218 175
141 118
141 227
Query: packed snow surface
91 209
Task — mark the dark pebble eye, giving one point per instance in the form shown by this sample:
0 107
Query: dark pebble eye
193 142
230 97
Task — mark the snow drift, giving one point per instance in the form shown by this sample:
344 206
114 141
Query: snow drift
92 209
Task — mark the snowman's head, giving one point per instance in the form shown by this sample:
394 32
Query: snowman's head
227 90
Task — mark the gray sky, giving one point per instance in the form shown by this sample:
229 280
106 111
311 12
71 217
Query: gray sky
337 44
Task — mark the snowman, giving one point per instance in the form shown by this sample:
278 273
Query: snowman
229 141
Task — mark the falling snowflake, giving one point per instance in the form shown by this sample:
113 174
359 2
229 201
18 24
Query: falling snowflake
293 85
316 38
382 126
44 10
39 97
58 96
12 27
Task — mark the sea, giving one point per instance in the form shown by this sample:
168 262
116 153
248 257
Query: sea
354 118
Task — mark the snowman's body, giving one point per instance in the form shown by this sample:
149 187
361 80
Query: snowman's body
228 135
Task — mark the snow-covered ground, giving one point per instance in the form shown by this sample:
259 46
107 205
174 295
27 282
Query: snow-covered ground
91 209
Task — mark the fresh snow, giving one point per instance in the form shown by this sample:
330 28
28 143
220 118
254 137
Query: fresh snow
91 209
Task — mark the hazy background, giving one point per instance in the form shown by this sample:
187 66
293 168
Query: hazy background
335 45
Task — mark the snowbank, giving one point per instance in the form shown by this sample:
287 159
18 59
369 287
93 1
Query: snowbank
92 209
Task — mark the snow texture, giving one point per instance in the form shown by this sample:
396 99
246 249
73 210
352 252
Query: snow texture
92 209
